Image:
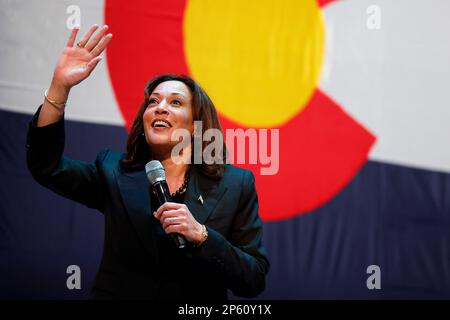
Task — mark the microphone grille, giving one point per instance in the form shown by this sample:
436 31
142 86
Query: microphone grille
155 171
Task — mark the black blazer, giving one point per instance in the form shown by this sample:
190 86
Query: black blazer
139 260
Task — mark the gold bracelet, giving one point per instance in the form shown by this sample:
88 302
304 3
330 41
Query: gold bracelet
58 105
204 236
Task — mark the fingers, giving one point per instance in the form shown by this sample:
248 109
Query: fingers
168 206
99 49
91 44
88 35
173 215
91 64
72 37
179 220
176 228
172 218
174 221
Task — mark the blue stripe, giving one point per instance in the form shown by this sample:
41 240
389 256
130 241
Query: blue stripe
392 216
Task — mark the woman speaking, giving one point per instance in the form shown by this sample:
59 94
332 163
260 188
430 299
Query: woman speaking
212 208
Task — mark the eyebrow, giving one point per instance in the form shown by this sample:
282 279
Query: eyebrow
172 94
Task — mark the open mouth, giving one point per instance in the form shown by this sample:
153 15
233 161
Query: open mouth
158 123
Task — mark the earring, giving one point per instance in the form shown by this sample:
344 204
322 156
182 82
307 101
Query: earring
143 134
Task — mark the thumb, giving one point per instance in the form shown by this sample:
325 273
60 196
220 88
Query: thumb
91 64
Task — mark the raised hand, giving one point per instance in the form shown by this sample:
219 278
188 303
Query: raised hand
74 65
77 62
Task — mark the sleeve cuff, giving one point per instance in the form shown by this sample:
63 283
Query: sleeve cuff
50 132
212 250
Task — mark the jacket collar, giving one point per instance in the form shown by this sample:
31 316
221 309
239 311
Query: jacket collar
202 197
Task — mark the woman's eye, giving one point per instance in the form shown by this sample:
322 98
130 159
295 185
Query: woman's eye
177 102
152 101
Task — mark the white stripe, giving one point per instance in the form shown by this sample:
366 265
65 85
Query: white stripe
394 80
33 34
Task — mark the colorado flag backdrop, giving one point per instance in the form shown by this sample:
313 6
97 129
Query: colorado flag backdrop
359 90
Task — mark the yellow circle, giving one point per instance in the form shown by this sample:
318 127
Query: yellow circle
259 61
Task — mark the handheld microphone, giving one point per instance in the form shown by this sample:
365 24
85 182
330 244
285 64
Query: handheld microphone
157 177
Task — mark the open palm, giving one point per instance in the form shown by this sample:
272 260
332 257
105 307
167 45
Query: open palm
76 63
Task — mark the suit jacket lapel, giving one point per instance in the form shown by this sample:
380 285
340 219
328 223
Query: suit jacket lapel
134 188
201 198
202 195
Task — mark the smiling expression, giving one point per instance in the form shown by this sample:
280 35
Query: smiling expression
169 108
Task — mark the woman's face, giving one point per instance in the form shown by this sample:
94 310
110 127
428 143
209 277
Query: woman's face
169 108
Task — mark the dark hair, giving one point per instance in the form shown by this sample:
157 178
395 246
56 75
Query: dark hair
139 152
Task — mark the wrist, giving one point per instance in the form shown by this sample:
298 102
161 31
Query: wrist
203 235
58 91
56 96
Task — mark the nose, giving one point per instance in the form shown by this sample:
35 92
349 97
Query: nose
161 108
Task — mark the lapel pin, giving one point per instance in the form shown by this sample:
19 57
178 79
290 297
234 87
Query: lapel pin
200 198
